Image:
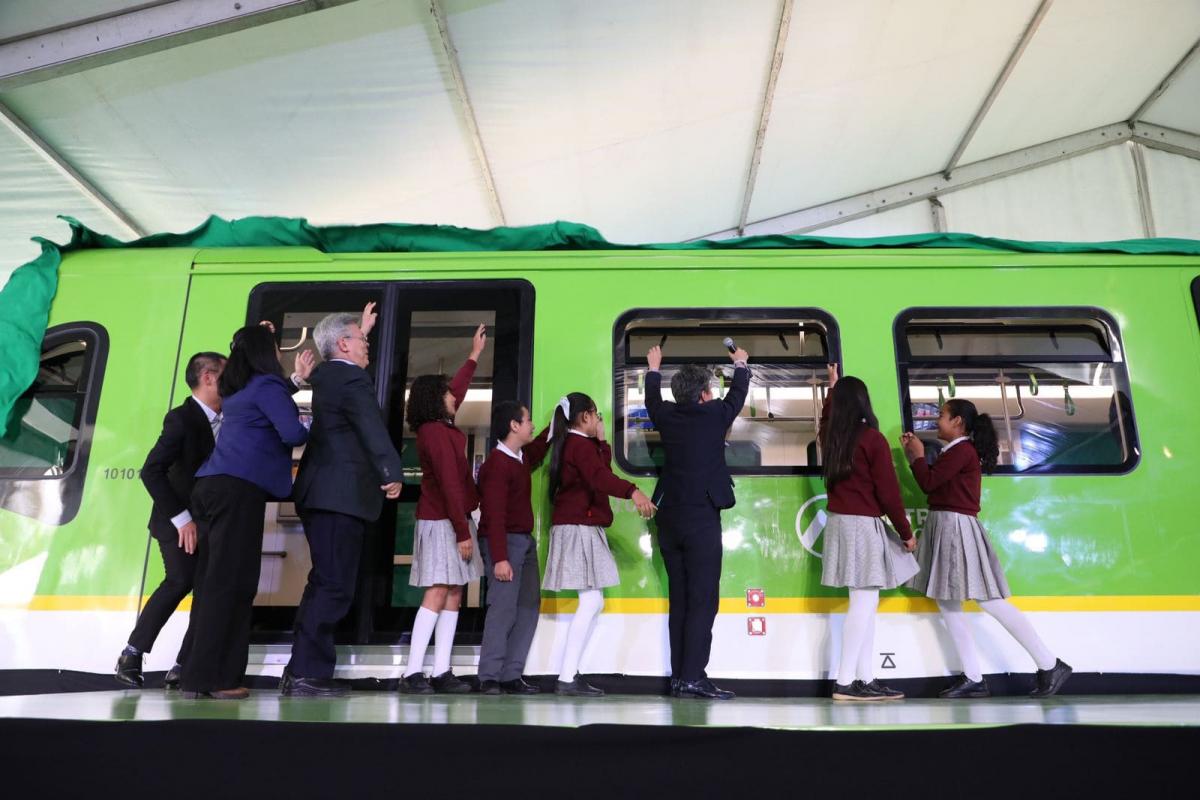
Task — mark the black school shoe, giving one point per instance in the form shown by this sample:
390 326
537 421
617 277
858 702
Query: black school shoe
704 689
674 690
416 683
855 690
1049 681
519 686
129 671
312 687
448 683
577 688
173 677
963 688
885 692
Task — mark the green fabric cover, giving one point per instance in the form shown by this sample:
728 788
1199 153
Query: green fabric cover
25 299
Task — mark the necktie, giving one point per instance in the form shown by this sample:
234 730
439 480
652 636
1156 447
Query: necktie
216 426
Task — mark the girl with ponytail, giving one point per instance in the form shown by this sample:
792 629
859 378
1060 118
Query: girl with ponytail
956 556
581 481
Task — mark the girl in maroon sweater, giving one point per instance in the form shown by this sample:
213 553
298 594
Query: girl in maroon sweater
581 481
860 553
444 553
956 555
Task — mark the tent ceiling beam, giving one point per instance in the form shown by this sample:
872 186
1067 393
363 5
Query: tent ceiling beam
1143 187
460 90
64 168
1166 82
990 169
151 28
1001 79
764 117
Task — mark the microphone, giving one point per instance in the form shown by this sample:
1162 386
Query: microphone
729 345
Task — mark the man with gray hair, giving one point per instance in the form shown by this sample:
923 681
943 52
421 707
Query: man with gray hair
349 466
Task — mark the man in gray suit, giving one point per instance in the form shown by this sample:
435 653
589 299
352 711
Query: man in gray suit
349 466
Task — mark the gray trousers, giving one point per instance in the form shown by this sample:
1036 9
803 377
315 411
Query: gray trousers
512 614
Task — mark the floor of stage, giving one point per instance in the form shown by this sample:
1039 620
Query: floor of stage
795 714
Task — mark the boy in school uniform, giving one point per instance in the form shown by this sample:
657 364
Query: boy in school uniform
509 550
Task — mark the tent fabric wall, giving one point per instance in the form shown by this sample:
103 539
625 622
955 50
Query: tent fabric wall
1174 194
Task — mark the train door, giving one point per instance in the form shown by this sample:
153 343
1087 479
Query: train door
423 327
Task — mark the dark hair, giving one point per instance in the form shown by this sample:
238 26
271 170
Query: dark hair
849 411
689 382
200 363
579 404
504 414
253 353
426 401
981 430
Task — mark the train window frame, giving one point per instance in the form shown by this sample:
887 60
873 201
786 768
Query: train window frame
1120 372
745 316
25 494
1196 297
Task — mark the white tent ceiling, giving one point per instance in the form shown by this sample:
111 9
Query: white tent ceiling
652 120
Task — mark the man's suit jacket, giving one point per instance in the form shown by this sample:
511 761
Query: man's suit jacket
169 473
693 439
349 453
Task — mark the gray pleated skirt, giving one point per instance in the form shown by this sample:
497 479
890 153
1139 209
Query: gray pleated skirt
957 560
862 553
579 558
436 559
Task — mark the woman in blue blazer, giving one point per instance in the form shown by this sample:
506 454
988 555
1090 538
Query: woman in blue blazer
250 465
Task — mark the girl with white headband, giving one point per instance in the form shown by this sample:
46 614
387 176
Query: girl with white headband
581 481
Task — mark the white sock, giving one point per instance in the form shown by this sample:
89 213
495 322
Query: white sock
421 634
1018 626
955 620
866 654
591 601
859 623
443 641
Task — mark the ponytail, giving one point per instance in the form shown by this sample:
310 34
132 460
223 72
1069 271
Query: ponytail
980 429
566 413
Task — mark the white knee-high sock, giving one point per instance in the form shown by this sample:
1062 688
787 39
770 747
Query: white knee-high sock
443 641
591 602
866 653
955 620
1019 627
421 634
859 619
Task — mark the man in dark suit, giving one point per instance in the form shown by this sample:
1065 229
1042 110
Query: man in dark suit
349 466
188 434
693 487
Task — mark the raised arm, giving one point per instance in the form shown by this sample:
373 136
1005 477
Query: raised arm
949 464
535 451
275 401
654 383
739 387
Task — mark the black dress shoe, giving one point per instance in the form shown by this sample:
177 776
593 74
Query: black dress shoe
490 688
173 676
964 687
1049 681
129 671
855 690
703 688
674 690
577 688
448 683
313 687
519 686
885 692
416 683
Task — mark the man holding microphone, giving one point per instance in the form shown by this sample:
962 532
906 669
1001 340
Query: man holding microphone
693 489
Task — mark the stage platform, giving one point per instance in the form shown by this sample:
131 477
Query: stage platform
377 743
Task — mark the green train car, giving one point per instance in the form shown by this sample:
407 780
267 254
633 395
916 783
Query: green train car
1090 365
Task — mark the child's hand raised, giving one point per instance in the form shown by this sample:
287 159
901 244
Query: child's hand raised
914 448
478 341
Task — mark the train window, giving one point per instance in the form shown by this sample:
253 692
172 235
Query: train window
1053 380
43 454
776 432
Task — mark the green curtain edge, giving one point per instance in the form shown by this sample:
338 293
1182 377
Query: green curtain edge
26 297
